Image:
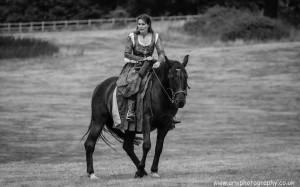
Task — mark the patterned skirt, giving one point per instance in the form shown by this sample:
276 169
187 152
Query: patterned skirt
129 80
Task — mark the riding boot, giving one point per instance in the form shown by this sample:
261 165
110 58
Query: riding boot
131 108
174 120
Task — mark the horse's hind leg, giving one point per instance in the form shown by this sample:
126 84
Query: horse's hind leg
90 143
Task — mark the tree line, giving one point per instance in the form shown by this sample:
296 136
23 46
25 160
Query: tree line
54 10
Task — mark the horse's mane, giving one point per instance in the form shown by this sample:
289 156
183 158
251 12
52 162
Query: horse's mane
176 65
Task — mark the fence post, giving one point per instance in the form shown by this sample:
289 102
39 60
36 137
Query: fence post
66 24
31 27
89 23
77 24
54 25
20 27
113 20
43 26
8 27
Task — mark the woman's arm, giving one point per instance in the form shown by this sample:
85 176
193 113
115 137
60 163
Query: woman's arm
160 50
129 57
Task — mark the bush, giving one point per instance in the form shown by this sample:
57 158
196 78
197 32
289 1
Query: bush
11 47
231 24
256 28
215 21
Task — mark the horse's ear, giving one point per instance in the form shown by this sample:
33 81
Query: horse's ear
168 61
185 60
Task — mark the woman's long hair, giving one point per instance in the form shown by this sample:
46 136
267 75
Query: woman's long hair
147 19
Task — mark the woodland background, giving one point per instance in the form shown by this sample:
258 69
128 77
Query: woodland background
53 10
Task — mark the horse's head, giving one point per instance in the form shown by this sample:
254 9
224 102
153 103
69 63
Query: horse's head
178 80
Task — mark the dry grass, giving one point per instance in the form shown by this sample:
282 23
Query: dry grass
241 121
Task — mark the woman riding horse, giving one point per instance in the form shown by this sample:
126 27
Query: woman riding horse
139 47
166 93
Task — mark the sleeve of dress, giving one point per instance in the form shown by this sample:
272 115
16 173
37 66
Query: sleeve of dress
160 50
128 56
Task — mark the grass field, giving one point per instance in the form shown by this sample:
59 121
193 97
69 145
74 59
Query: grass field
241 121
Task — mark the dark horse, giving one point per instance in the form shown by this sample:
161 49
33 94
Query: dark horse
161 102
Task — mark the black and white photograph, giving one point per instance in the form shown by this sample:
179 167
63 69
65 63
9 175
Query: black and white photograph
142 93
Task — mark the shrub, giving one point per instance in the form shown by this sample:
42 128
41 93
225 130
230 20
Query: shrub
231 24
11 47
215 21
256 28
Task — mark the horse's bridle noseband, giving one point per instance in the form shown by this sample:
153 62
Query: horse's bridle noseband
178 92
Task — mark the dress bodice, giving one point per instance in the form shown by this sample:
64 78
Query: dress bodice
143 50
135 51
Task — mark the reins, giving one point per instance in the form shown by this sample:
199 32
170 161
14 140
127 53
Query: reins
170 99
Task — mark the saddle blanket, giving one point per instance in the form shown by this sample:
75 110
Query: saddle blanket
115 110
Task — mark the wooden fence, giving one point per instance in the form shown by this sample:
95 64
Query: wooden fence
78 24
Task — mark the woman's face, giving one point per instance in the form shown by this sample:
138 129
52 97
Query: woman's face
142 26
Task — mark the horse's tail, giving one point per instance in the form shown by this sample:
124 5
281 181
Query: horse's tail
117 134
90 125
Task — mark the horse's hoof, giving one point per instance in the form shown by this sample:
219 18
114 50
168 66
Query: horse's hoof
138 175
145 173
155 175
93 176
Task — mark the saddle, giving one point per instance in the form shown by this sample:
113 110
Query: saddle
145 84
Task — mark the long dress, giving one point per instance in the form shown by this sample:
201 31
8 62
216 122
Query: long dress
129 80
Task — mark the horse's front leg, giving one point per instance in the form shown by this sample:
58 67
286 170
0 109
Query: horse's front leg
161 134
146 145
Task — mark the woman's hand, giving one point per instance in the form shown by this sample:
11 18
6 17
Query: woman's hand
156 64
149 58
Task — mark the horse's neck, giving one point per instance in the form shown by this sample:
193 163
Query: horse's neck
161 82
162 73
163 95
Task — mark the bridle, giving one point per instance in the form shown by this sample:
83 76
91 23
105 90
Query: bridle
171 98
178 92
